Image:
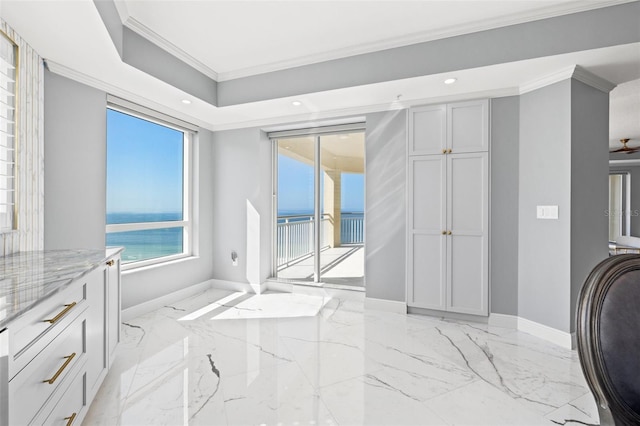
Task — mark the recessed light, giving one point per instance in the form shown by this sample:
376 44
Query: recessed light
186 101
450 80
296 103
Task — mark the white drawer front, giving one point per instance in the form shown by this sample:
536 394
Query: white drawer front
71 407
36 383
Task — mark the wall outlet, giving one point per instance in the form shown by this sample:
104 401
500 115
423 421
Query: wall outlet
234 258
547 212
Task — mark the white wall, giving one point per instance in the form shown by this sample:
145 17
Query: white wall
242 217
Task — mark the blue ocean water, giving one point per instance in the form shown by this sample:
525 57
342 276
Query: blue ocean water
147 244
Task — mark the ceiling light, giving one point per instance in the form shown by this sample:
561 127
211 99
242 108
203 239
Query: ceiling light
450 80
344 136
296 103
186 101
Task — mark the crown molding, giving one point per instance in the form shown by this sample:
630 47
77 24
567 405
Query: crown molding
421 37
573 71
122 9
155 38
111 89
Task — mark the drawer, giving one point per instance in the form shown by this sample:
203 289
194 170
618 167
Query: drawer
30 389
71 408
30 333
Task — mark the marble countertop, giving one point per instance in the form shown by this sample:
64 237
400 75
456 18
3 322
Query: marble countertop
28 278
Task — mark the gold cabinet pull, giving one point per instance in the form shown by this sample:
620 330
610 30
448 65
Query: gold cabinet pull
61 314
70 419
449 151
61 369
444 151
444 232
111 262
448 232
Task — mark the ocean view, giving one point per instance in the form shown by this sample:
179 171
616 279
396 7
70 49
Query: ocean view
147 244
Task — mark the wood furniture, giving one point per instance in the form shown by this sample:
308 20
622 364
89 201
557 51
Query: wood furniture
59 328
608 338
448 223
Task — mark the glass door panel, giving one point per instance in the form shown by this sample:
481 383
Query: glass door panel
295 234
342 208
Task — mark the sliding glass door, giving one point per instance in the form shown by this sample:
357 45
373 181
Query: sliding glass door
319 230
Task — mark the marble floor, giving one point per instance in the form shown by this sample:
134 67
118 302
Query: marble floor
224 358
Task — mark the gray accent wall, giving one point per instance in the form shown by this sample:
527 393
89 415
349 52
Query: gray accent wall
75 128
75 189
385 205
545 179
505 129
242 216
589 184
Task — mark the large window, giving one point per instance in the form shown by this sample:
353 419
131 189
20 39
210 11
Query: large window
619 213
147 187
7 133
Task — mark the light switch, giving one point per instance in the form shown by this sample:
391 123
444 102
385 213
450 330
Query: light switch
547 212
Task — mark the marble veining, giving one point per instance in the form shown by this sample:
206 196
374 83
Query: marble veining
28 278
332 363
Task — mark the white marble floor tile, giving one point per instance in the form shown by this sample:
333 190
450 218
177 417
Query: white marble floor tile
228 358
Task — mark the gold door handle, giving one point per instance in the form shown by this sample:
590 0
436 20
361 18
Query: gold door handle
448 232
61 314
444 151
61 369
111 262
444 232
449 151
70 419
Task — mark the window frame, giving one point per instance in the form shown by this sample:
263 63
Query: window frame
188 178
625 203
13 206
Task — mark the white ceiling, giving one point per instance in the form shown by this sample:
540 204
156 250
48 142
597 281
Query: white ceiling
233 38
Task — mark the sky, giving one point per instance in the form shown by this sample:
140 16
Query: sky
144 166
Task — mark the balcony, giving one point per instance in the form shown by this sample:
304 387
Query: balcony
339 263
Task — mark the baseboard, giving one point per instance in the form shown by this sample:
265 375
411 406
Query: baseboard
503 320
232 286
385 305
560 338
151 305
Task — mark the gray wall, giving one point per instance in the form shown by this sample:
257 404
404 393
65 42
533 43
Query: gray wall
241 183
385 205
545 179
75 164
75 189
505 126
634 173
589 184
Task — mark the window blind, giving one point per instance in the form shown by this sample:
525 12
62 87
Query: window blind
7 133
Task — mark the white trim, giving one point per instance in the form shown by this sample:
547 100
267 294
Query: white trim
421 37
573 71
124 227
504 321
232 286
147 33
622 163
560 338
385 305
151 305
111 89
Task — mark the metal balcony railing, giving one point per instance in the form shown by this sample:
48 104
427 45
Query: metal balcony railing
295 235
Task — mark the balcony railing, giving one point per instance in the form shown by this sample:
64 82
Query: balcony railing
295 235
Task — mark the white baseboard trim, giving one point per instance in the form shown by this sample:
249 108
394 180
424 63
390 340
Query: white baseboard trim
232 286
503 320
385 305
560 338
151 305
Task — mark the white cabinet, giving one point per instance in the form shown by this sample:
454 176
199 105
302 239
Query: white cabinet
447 241
55 355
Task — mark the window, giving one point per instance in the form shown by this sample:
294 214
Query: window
148 199
8 57
618 212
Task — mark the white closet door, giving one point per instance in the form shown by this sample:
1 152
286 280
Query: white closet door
427 130
468 126
427 243
467 246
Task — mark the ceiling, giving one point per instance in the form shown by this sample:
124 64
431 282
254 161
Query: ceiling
231 39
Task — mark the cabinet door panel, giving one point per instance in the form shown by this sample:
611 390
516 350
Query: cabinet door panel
427 130
427 288
468 126
113 308
467 193
96 342
467 290
427 189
